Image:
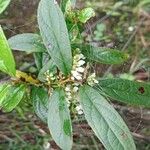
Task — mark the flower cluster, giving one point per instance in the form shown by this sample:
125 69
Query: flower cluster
78 67
49 76
91 80
78 75
71 97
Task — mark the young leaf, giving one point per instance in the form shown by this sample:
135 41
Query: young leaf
105 121
39 98
49 66
7 63
66 5
27 42
59 121
104 55
13 96
131 92
55 35
86 14
3 5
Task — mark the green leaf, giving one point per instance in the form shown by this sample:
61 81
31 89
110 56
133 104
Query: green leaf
39 96
41 60
59 121
50 65
63 4
131 92
74 32
3 91
45 58
38 57
55 35
104 55
66 5
27 42
105 121
3 5
7 63
85 14
13 97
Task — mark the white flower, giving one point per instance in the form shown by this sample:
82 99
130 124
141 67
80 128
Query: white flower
93 75
96 81
80 112
77 70
68 88
78 77
80 63
69 97
131 28
55 2
81 56
68 102
75 73
76 58
76 84
92 79
79 109
80 69
72 78
46 145
53 78
68 93
75 89
51 74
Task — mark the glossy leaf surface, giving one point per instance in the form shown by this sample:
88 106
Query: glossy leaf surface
7 63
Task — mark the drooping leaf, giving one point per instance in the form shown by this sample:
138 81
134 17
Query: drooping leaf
55 35
85 14
49 66
59 121
39 97
7 63
3 5
131 92
104 55
13 97
105 121
27 42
